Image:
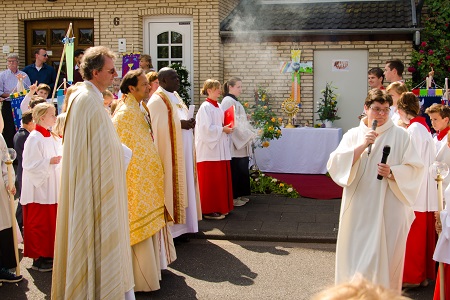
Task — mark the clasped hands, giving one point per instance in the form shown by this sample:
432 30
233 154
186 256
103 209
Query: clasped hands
188 124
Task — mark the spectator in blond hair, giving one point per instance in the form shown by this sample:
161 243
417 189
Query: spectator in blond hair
395 90
358 289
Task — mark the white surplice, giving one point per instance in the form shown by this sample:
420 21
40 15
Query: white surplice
243 133
375 214
211 142
423 141
41 179
5 209
442 252
443 155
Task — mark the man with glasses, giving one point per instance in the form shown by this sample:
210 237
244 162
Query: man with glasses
8 83
375 214
92 246
40 71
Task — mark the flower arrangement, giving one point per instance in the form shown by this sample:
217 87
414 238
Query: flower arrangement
262 184
328 104
263 118
434 49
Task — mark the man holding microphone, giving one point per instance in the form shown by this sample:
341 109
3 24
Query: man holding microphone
375 214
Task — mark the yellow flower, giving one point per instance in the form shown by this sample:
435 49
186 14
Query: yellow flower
265 144
280 119
263 98
246 104
273 119
281 184
270 128
278 131
265 107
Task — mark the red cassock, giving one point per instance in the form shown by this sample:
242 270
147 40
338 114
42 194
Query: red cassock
214 182
420 245
39 225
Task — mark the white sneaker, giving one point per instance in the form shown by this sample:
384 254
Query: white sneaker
244 199
238 202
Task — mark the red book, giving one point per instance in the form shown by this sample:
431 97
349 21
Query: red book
229 117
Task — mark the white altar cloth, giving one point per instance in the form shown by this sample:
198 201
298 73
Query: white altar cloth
303 150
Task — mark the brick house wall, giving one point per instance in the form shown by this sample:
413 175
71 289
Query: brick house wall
258 64
206 16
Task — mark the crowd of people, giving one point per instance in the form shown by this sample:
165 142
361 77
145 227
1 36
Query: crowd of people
389 215
109 186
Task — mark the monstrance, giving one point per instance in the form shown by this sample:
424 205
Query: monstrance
290 108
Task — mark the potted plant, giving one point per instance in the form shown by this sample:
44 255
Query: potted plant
327 109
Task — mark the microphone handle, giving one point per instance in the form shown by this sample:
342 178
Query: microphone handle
374 127
383 161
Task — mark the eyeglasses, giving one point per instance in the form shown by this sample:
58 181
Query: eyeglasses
12 61
112 71
379 110
44 55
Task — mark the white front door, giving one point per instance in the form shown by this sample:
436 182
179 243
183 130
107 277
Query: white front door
169 40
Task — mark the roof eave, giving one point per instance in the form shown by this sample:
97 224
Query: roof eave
266 33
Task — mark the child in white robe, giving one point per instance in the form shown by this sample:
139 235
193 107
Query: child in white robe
419 264
40 188
213 155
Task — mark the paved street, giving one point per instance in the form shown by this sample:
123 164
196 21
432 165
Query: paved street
213 269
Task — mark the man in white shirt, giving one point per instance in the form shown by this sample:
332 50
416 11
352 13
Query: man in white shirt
8 83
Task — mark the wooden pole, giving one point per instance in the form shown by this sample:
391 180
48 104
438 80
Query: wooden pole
61 61
13 212
441 264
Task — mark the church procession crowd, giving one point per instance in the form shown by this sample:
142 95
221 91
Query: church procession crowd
109 186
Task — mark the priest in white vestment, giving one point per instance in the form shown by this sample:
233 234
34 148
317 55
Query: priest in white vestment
375 214
174 139
92 247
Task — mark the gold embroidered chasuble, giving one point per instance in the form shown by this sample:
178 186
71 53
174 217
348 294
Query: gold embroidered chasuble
145 176
166 123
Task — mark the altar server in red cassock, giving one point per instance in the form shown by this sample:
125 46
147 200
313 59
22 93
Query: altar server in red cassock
213 155
440 118
419 264
40 188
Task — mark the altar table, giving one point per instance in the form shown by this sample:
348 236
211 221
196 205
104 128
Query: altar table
303 150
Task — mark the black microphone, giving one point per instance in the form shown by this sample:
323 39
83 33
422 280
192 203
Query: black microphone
386 151
374 127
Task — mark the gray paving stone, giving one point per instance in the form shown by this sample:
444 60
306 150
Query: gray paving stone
298 217
263 216
281 227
